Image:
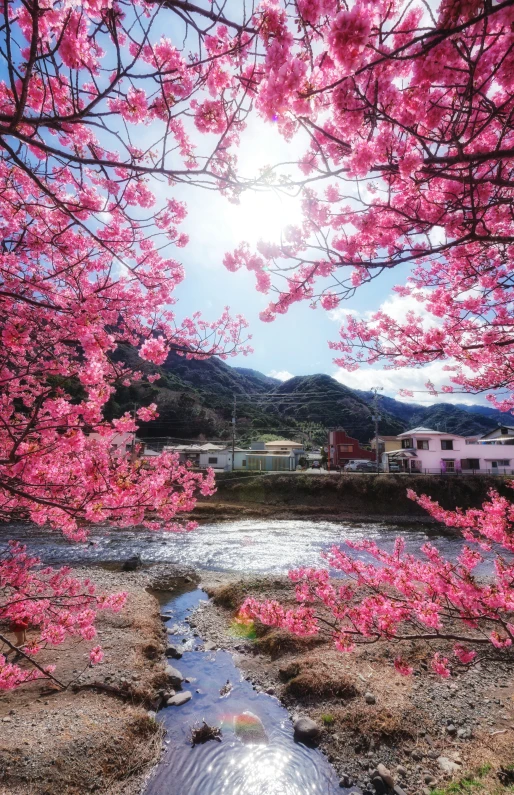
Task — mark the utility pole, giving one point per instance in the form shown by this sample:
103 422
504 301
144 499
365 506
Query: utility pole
234 432
376 417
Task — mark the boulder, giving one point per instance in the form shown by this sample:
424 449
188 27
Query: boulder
369 698
174 676
448 765
132 564
379 786
346 781
179 699
172 651
306 730
385 775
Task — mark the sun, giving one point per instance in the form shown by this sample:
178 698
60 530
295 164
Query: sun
263 215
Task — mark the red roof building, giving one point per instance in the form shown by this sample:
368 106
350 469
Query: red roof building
343 448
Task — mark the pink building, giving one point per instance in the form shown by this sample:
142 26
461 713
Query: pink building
424 450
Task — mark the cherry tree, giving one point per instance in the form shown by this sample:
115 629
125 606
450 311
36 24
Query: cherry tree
409 116
408 112
101 117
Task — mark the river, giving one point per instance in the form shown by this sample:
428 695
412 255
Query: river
259 546
278 765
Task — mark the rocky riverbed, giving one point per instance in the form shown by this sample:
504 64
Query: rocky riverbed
426 731
423 734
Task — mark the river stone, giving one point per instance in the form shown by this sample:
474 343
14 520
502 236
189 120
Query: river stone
209 646
385 775
174 676
305 729
179 699
346 781
172 651
379 786
249 729
132 564
447 765
369 698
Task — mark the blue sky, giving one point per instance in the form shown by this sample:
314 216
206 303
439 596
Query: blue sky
295 343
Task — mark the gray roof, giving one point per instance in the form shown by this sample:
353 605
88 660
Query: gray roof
420 429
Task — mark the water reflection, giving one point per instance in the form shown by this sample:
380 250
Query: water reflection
252 546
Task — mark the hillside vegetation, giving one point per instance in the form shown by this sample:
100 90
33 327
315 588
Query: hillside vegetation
196 401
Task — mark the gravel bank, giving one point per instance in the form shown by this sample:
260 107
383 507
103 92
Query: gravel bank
87 740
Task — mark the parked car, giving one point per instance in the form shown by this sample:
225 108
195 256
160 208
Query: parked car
363 466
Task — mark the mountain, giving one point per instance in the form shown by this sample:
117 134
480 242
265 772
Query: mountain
450 417
323 400
499 417
260 378
196 401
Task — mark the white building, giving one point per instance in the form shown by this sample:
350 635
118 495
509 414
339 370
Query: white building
424 450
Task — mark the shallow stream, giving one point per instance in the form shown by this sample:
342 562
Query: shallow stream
259 546
238 765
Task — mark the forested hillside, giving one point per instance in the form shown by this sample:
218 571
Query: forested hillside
196 400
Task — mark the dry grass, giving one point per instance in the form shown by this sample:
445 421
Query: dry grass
319 678
385 725
276 643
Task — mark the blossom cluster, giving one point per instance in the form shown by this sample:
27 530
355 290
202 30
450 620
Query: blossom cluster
52 605
398 597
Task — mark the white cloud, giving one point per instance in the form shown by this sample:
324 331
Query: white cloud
407 378
340 314
397 306
282 375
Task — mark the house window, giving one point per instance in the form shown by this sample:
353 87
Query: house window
422 444
346 448
213 460
502 462
415 466
449 464
471 463
446 444
406 444
243 462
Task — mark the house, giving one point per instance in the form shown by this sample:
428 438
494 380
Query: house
202 455
436 452
503 434
423 449
122 442
386 444
342 449
282 446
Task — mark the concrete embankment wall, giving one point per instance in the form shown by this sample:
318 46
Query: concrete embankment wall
366 495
